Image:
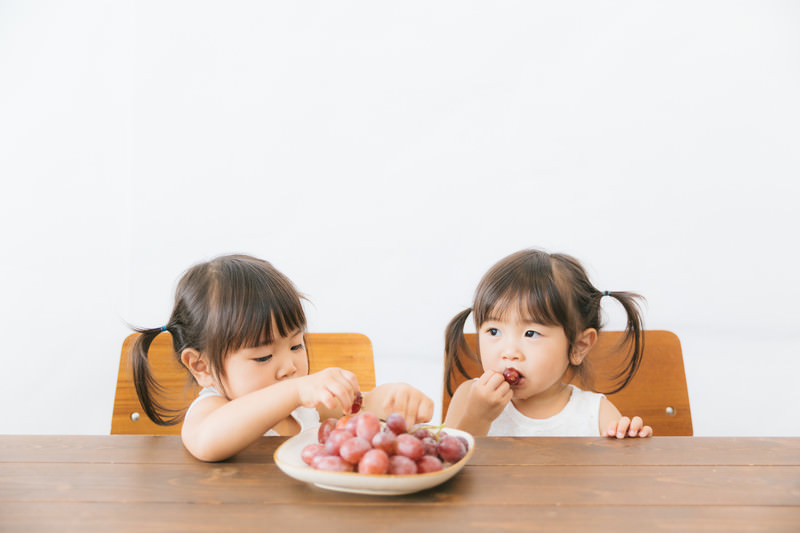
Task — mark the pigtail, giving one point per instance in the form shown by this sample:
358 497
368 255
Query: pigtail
454 342
633 339
148 389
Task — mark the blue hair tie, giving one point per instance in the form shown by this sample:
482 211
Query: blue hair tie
163 328
605 293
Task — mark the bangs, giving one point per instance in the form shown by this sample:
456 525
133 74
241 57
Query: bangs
253 299
526 286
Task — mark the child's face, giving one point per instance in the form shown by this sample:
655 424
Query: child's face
250 369
536 351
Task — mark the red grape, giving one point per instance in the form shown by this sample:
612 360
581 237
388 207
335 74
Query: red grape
335 440
325 430
385 440
429 463
451 449
357 403
410 446
396 423
374 462
368 425
352 450
400 465
333 463
310 451
511 375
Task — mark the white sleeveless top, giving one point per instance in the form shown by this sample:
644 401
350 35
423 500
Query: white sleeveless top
579 418
305 416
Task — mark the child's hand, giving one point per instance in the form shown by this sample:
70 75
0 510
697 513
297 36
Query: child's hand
625 427
488 396
399 398
335 388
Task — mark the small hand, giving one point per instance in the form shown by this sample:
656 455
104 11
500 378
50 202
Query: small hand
335 388
489 395
625 427
400 398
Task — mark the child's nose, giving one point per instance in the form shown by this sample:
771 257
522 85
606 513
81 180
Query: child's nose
287 370
511 351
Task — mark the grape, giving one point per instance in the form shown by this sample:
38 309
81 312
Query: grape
325 430
511 375
396 423
342 422
352 423
429 463
335 440
422 433
374 462
429 445
310 451
410 446
385 440
368 425
333 463
352 450
451 449
357 403
400 465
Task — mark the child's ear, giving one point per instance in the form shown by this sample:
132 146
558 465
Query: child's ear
197 365
582 346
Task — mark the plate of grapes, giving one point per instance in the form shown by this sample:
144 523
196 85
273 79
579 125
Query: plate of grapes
365 455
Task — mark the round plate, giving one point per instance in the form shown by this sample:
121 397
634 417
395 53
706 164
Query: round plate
288 459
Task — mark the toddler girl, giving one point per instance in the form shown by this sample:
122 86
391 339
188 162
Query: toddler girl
537 317
237 325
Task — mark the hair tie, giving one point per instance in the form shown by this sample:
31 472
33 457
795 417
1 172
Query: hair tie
605 293
163 328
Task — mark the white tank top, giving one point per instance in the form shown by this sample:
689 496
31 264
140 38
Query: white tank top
305 416
579 418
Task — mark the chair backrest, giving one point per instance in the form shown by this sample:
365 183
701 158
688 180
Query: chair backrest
352 351
658 393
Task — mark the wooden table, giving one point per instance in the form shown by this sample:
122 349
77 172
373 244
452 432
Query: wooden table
149 484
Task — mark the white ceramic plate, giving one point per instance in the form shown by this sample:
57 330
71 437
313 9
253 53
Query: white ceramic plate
288 459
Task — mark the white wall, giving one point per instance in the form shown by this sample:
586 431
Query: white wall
384 156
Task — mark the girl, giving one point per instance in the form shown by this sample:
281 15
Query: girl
538 314
237 325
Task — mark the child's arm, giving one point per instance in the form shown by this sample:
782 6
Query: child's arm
217 428
476 403
613 424
401 398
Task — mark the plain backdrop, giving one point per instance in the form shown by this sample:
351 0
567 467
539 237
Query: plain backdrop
384 156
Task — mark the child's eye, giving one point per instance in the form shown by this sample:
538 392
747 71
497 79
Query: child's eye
531 333
494 332
297 347
263 359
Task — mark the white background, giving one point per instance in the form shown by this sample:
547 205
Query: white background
384 155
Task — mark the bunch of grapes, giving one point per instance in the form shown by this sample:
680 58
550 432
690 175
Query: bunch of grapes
361 443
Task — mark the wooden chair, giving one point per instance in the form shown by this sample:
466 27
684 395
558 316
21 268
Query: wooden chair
352 351
658 393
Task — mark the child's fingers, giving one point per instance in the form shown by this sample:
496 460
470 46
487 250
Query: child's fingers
425 409
646 431
636 426
622 427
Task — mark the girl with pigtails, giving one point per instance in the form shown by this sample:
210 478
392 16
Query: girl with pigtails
238 328
537 317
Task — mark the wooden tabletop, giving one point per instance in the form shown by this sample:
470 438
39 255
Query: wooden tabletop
149 483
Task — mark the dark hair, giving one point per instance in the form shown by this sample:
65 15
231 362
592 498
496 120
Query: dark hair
221 306
551 289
